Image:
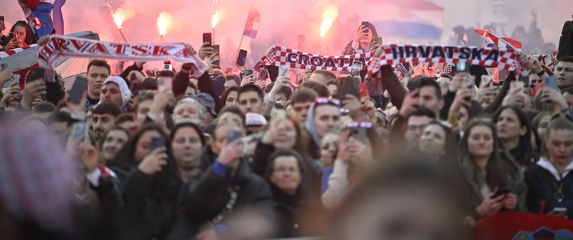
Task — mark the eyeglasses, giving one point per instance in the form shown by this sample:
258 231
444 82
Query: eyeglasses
359 125
322 100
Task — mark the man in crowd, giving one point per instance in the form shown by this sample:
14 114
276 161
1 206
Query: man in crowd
564 72
251 99
116 91
299 103
98 72
102 119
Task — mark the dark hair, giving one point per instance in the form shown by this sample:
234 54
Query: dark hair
107 108
44 107
234 110
233 77
525 140
60 116
567 89
251 88
320 89
165 73
164 183
283 152
330 76
226 93
30 36
149 84
566 59
426 81
496 176
99 63
423 112
302 95
191 125
124 117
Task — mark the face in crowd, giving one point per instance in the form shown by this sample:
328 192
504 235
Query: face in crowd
564 73
414 128
251 102
96 77
110 92
326 119
113 142
300 111
100 124
480 141
286 173
433 140
186 147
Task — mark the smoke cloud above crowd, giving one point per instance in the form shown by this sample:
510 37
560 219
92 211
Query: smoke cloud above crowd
310 25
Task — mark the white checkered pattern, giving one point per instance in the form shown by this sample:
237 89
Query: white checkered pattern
507 58
277 56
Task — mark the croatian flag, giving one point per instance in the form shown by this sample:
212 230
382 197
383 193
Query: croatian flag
409 19
495 41
253 23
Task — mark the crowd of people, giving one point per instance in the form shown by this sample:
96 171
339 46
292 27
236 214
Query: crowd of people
426 153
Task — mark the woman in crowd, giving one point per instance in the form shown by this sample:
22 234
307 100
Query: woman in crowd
328 150
364 39
285 175
284 133
112 142
225 186
433 141
150 185
540 123
489 179
514 132
187 142
230 96
22 36
354 159
550 181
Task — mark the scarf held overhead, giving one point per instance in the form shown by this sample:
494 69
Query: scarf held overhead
281 56
487 57
63 46
390 55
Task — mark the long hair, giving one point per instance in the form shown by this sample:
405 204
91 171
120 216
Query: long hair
166 182
525 140
30 36
496 174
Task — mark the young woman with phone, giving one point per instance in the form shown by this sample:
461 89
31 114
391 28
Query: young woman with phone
150 185
483 169
364 39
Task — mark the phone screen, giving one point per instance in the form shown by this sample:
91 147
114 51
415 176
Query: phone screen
207 38
157 142
80 131
242 58
551 82
78 88
461 67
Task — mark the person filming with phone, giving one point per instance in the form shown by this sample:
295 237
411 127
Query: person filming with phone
365 40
